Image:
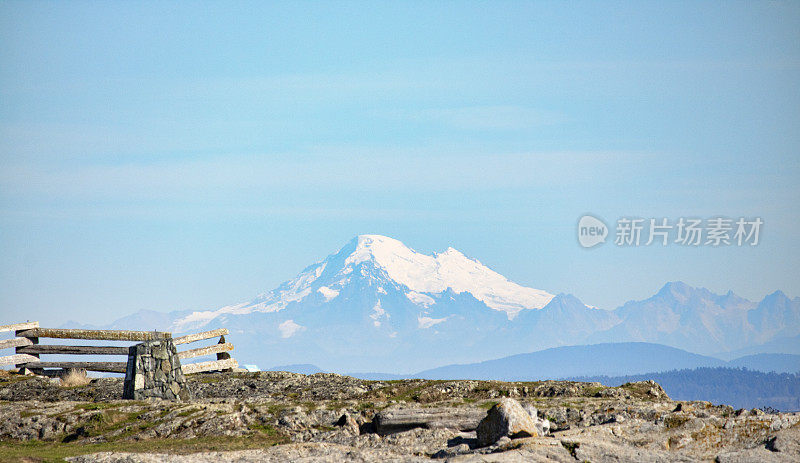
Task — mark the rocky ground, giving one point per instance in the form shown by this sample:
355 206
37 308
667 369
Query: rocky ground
277 416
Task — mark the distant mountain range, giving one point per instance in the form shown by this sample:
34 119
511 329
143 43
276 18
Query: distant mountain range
700 321
786 345
561 362
615 359
378 305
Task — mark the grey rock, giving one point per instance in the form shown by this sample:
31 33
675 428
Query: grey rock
786 442
783 447
404 418
305 452
348 423
503 442
542 427
532 411
507 418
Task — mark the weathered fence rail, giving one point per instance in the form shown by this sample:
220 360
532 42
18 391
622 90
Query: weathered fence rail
28 349
19 326
96 335
17 359
200 336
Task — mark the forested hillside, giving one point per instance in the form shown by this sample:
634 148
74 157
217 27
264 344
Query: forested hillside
738 387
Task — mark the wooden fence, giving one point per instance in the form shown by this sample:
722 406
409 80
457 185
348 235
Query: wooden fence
28 350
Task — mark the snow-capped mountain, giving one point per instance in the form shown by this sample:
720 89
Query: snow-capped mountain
384 262
378 301
378 305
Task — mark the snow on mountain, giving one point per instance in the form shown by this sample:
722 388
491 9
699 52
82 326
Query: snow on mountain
328 293
393 263
378 305
422 273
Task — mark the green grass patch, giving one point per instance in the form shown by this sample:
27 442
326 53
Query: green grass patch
321 427
593 391
276 409
102 423
264 429
310 406
47 452
188 412
98 406
365 406
8 378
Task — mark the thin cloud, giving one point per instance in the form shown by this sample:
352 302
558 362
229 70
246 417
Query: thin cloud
491 117
254 175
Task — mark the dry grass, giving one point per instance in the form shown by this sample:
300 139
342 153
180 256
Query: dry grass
74 378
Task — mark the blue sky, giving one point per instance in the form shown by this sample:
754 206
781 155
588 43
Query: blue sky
191 155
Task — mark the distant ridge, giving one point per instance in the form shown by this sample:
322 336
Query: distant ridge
784 345
609 359
559 362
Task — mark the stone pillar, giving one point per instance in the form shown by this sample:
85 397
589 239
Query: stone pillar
154 370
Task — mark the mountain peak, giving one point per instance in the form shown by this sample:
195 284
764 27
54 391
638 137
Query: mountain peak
382 250
675 287
451 250
435 273
564 302
566 298
777 295
375 241
677 291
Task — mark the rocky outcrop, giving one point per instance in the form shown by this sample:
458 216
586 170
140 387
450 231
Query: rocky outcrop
325 417
507 419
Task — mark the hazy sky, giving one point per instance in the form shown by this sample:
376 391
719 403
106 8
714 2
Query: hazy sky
190 155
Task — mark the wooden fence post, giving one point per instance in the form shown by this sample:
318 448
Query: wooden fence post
223 355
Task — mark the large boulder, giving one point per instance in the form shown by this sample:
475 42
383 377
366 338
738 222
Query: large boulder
507 418
394 420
